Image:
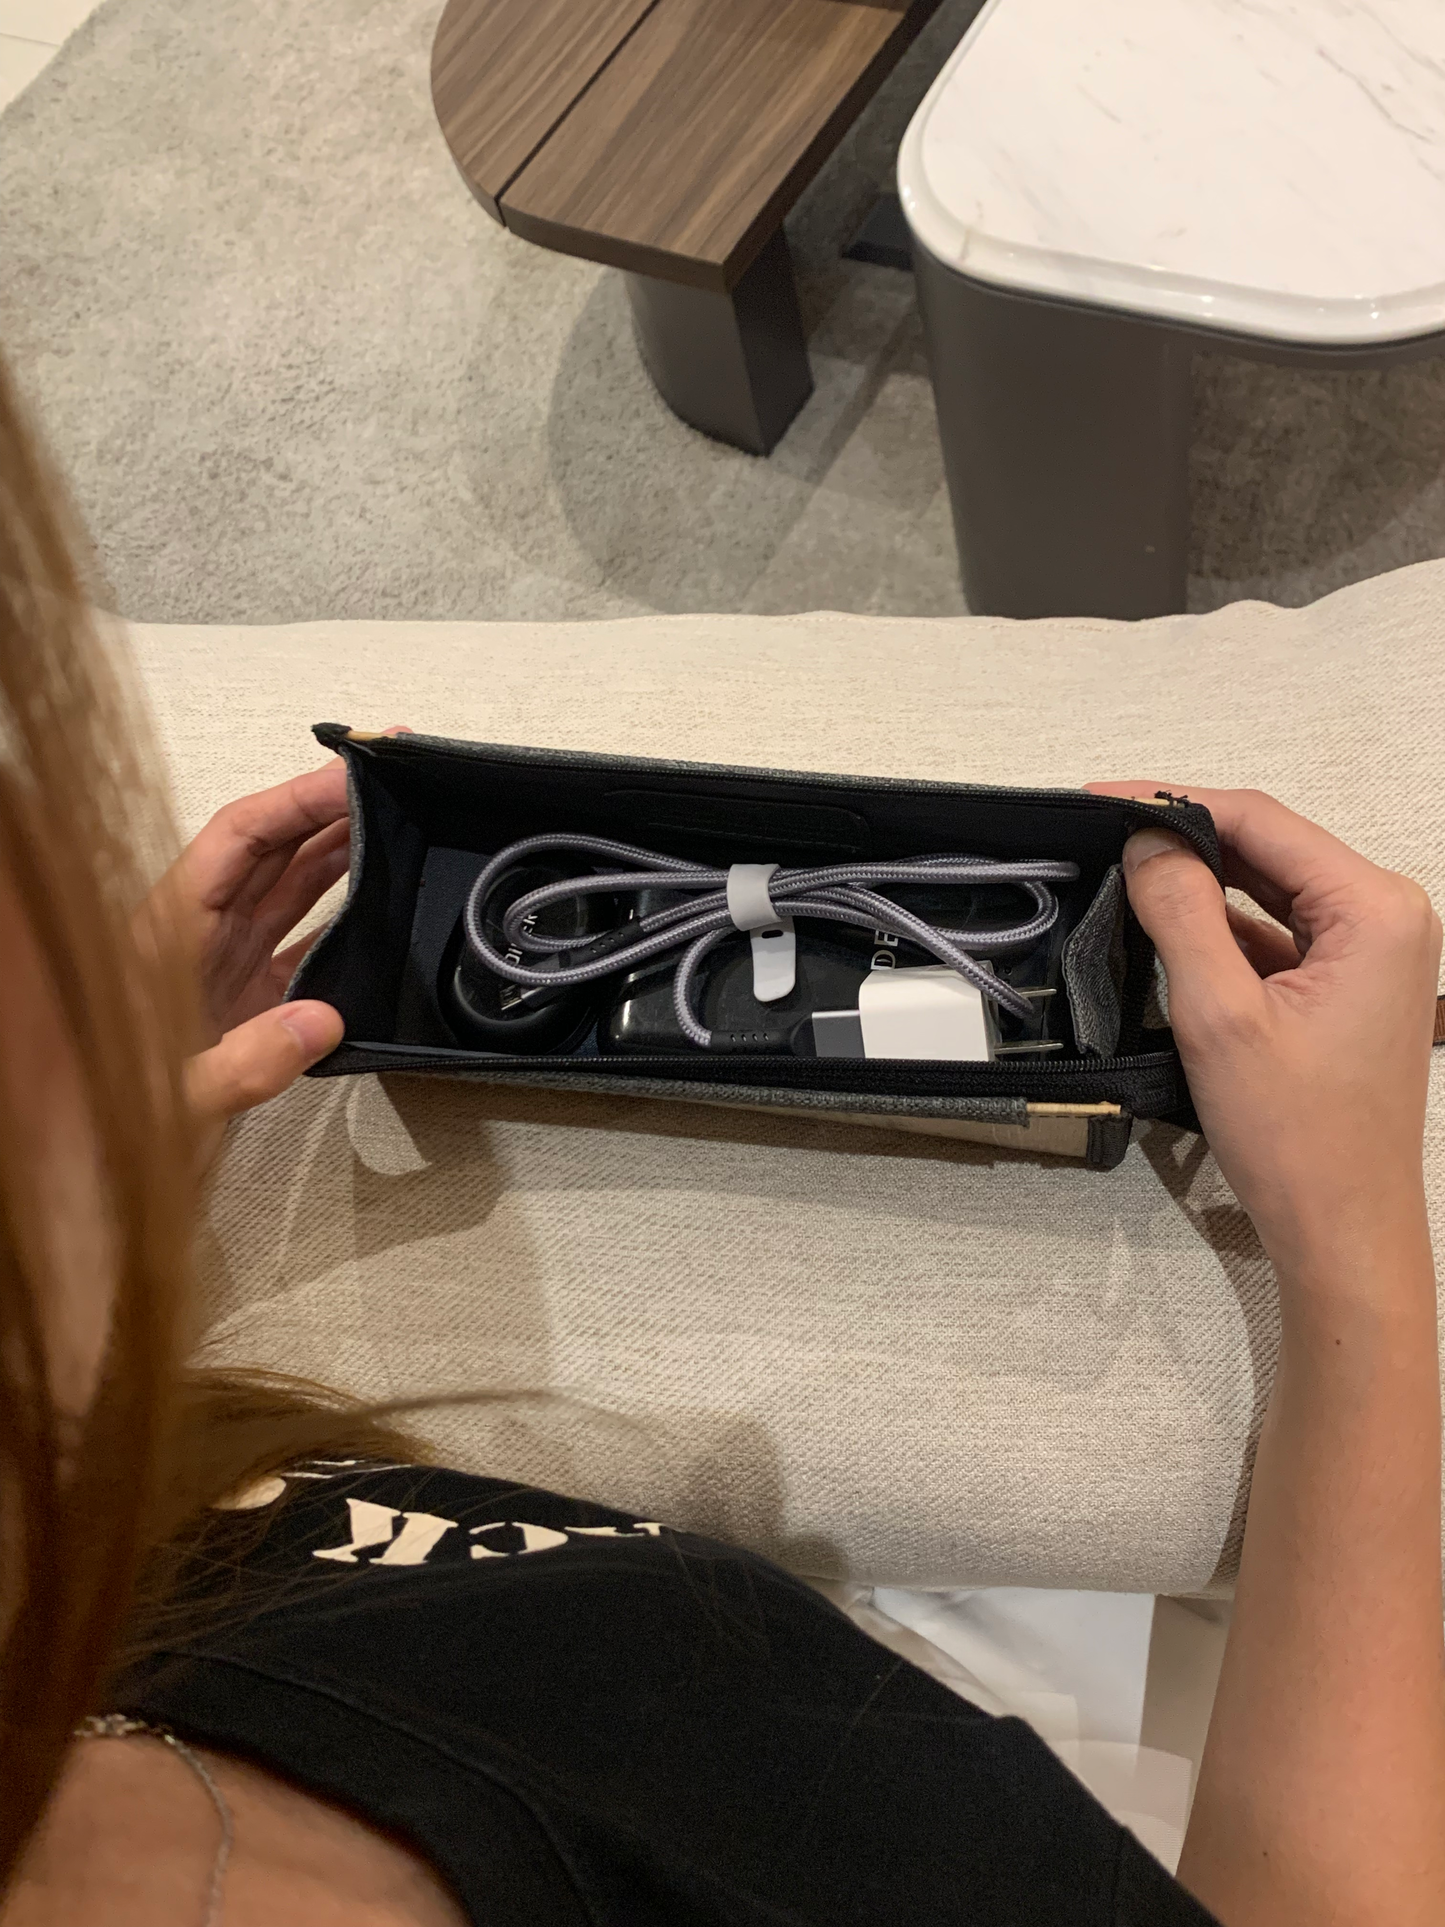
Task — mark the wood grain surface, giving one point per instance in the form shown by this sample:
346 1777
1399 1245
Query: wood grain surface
703 128
504 72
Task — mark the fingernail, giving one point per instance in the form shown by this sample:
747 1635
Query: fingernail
316 1027
1146 843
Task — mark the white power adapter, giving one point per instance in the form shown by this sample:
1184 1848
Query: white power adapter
929 1012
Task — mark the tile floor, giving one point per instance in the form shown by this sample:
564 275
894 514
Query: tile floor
30 31
1120 1685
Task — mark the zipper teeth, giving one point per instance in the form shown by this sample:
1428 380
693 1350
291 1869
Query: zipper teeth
1076 1067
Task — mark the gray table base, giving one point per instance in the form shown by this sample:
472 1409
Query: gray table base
734 363
1065 434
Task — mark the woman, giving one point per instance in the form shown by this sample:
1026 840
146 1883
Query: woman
374 1692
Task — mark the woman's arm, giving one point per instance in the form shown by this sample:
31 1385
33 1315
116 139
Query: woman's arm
1322 1791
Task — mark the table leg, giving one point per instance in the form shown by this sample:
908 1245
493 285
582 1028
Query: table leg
1065 436
733 364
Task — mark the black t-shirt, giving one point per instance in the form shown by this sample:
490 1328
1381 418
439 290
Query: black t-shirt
581 1717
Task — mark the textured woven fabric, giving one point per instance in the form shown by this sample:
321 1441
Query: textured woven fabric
868 1354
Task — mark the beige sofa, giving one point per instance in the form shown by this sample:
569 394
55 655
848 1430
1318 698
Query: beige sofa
868 1354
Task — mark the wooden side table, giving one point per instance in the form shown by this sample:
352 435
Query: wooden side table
668 138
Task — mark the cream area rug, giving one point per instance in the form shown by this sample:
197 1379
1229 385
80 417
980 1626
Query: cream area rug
294 372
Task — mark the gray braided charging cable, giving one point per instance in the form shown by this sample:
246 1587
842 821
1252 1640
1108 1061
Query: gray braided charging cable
835 892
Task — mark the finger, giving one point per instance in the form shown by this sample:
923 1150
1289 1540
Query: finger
287 962
260 1059
1237 875
1267 948
320 862
267 989
1271 852
246 846
1242 876
239 856
1175 896
310 868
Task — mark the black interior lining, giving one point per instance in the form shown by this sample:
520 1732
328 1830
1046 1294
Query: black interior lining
468 803
424 799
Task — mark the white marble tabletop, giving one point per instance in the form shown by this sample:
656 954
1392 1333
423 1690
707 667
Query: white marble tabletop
1273 167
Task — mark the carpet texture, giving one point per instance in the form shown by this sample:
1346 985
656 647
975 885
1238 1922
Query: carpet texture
293 371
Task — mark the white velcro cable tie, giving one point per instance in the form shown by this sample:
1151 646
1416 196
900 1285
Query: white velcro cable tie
749 905
775 949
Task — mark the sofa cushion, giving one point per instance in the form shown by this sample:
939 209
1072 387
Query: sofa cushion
888 1357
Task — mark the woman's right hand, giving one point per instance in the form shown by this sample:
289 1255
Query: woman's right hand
1307 1047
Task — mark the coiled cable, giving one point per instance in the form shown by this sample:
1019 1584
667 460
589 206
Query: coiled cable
835 892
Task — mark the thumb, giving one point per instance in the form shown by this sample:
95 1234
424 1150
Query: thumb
260 1058
1183 910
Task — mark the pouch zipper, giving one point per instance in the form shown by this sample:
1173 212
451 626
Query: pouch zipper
1137 1080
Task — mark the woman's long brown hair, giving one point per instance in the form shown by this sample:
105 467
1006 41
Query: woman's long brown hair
88 1497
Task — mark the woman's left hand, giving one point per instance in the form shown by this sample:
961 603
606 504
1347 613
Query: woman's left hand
239 890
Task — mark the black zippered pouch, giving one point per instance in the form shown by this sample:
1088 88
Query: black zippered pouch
427 811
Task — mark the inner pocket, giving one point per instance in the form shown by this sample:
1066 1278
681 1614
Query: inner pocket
1093 965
